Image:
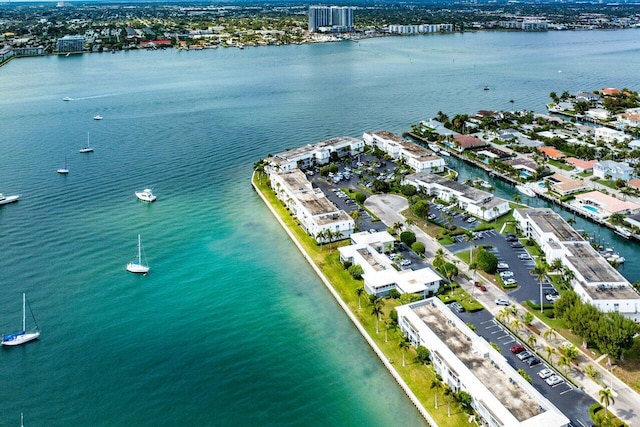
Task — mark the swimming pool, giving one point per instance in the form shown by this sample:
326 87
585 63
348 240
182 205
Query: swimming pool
593 209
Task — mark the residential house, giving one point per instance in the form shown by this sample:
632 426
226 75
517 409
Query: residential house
602 205
610 169
564 186
465 142
609 135
581 165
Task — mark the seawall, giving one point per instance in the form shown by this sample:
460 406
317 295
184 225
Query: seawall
403 385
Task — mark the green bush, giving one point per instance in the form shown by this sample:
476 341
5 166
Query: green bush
408 237
394 294
418 247
408 190
356 272
360 197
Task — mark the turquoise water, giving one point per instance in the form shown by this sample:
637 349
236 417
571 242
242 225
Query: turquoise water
591 209
231 326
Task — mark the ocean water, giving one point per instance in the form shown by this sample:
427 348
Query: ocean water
231 326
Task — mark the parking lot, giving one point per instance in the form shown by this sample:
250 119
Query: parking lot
573 402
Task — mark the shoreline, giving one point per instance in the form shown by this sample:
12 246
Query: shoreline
378 352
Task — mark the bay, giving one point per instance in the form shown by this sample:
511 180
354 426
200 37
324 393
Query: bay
231 326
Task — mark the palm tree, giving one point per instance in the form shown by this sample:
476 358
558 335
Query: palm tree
540 270
397 226
550 334
503 315
517 198
564 362
448 392
516 324
359 292
550 352
376 311
532 340
606 399
259 168
437 384
404 345
320 236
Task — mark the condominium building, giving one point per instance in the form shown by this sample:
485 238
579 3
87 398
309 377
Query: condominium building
70 44
416 156
319 153
595 280
467 362
310 206
332 18
474 201
380 276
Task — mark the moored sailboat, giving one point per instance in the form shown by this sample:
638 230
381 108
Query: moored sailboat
136 266
23 336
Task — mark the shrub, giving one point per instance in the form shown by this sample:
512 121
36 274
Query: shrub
408 237
486 261
393 293
408 190
418 247
423 354
356 272
360 197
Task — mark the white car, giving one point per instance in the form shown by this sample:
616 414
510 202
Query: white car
506 274
503 266
545 373
553 380
503 301
509 281
524 256
405 262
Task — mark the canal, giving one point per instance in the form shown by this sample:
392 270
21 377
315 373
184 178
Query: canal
601 235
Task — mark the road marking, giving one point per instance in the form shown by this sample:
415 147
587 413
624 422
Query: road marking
566 391
500 337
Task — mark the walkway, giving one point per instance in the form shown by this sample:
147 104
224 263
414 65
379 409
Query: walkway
627 401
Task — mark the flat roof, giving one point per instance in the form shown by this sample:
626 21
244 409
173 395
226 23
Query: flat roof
515 399
593 267
549 222
468 191
388 135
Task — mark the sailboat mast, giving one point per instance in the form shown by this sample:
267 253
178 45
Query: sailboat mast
24 308
139 251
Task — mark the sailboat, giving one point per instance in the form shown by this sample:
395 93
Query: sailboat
64 170
23 336
136 266
88 148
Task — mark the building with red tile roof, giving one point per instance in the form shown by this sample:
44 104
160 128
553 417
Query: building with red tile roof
582 165
552 153
610 91
465 142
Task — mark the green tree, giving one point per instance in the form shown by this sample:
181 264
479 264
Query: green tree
465 399
418 247
606 399
421 208
404 345
408 237
524 375
359 292
360 197
436 384
423 354
356 271
486 261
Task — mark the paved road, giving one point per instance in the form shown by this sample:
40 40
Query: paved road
627 401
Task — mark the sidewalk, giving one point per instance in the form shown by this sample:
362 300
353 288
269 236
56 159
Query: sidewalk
627 401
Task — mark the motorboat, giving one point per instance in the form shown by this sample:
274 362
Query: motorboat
66 98
8 199
526 190
146 195
98 117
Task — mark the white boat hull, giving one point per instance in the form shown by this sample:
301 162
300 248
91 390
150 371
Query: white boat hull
9 199
146 196
525 190
21 339
134 267
86 150
63 171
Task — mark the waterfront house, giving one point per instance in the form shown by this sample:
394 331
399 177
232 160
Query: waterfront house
630 117
602 205
564 186
552 153
587 96
595 280
416 156
597 114
309 206
479 203
609 135
438 128
467 362
465 142
610 169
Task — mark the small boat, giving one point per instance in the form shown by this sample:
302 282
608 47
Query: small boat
444 153
526 190
146 195
98 117
434 148
23 336
64 170
88 148
486 88
8 199
66 98
136 266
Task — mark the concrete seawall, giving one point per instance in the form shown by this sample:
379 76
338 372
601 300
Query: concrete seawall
421 409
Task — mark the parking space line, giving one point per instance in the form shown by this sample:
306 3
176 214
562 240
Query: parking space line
566 391
500 337
497 331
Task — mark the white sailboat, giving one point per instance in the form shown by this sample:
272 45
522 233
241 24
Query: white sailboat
136 266
22 336
64 170
88 148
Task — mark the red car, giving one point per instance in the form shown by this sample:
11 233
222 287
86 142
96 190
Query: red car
518 348
483 288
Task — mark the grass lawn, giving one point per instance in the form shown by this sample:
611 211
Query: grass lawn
417 375
561 165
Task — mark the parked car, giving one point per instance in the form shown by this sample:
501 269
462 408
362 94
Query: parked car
524 256
431 216
518 348
457 307
553 380
505 274
405 262
551 298
471 220
533 361
509 281
517 245
511 238
525 355
502 301
503 266
545 373
483 288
